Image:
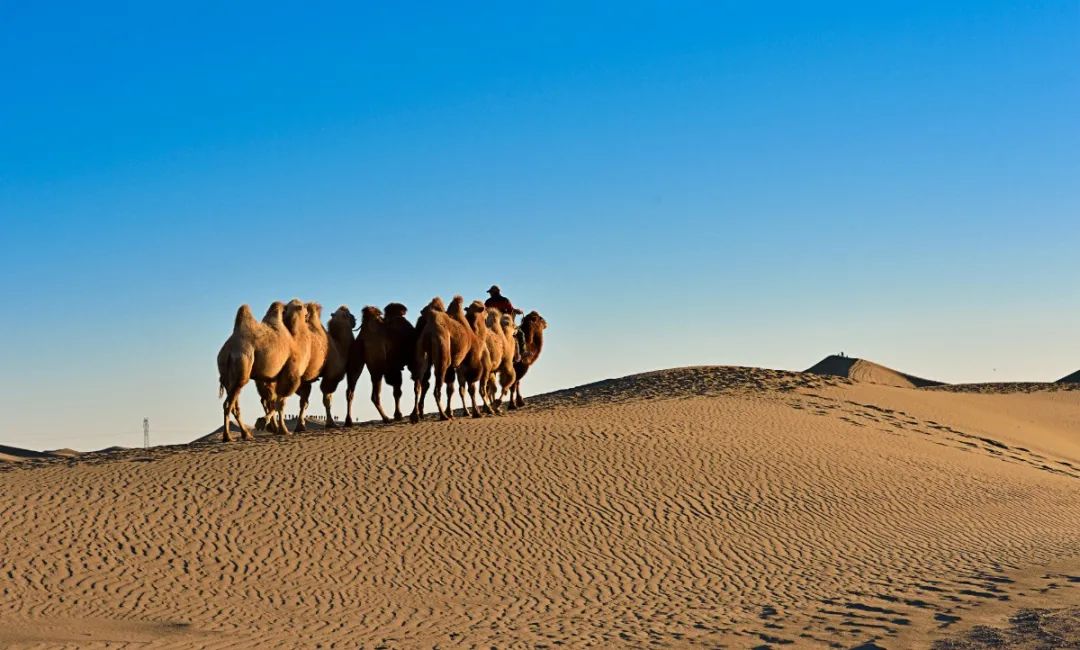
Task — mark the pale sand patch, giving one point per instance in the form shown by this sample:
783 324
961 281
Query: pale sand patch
683 508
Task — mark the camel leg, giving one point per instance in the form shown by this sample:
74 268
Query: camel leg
449 383
512 403
515 397
440 375
489 390
226 435
281 428
376 395
414 417
485 400
425 384
397 401
245 433
326 397
472 395
506 382
463 391
305 394
421 382
350 390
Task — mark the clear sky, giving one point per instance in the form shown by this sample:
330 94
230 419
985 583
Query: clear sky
669 183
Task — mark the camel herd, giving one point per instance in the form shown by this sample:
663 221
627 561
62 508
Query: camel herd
479 348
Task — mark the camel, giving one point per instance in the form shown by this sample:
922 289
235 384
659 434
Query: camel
388 343
256 350
339 342
503 347
274 391
476 366
445 341
500 348
318 344
532 328
421 359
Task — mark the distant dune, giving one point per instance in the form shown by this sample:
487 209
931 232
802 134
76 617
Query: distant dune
1070 379
693 507
863 370
17 455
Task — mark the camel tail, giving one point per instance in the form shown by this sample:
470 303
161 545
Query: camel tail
220 388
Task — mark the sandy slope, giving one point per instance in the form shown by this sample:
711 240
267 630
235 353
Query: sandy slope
868 371
682 508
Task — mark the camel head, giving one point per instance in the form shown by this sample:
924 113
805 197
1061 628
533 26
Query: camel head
370 314
475 309
314 313
343 315
295 313
533 321
395 310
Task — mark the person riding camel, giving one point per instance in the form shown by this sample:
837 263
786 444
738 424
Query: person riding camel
503 304
500 302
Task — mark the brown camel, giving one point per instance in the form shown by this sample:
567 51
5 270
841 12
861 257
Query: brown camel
420 365
532 326
339 341
288 380
476 366
318 345
256 350
502 345
444 342
388 343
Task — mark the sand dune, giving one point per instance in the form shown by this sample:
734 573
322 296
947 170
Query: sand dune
696 507
18 455
1071 379
863 370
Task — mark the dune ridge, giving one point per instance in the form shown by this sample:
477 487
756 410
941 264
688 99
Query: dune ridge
689 507
1074 378
863 370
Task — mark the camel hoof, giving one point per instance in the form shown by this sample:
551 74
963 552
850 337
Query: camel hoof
300 429
330 425
348 422
397 417
226 438
443 417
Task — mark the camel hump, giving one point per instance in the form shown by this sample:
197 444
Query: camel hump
243 317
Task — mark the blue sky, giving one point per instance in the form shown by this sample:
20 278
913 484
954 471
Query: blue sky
668 183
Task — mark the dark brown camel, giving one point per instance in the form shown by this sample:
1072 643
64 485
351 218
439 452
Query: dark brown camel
532 327
388 344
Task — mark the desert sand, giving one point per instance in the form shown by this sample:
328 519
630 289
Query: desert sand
695 507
